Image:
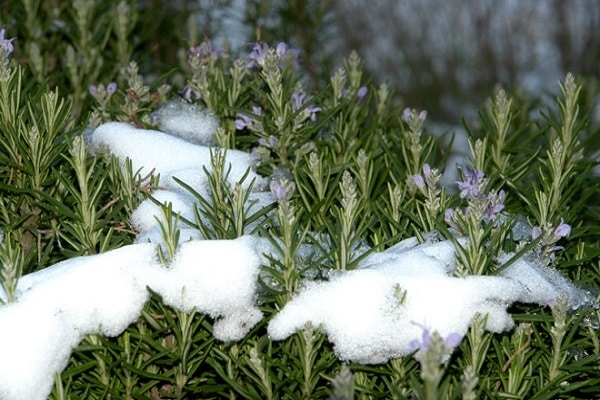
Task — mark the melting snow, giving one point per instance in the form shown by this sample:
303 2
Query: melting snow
370 314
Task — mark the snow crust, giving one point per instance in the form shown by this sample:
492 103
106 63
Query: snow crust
370 314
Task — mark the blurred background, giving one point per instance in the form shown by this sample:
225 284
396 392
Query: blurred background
445 56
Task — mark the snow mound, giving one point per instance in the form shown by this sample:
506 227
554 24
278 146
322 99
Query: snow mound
174 160
218 278
105 293
58 306
376 312
151 150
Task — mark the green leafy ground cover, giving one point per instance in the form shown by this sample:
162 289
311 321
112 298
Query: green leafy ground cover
364 173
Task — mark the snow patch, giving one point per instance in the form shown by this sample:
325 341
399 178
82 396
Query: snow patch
375 312
105 293
187 121
151 150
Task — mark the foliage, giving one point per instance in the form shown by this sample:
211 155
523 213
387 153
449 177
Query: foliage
351 172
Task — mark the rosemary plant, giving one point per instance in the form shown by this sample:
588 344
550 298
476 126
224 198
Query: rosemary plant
349 172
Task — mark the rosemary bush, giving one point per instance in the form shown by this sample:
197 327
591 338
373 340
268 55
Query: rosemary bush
352 173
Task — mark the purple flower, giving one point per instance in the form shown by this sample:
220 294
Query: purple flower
494 210
495 203
111 88
362 92
6 44
188 92
311 111
422 344
297 100
450 342
243 121
472 184
258 54
257 110
410 114
536 231
281 49
562 230
272 142
204 52
426 170
449 215
418 181
93 90
282 190
278 190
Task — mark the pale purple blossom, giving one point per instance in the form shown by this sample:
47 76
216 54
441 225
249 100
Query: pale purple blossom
272 142
418 181
298 101
278 190
426 170
243 121
472 184
203 53
362 92
189 93
449 215
257 110
6 44
450 342
550 236
282 190
562 230
260 51
258 54
495 203
111 88
311 111
281 49
411 114
284 52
